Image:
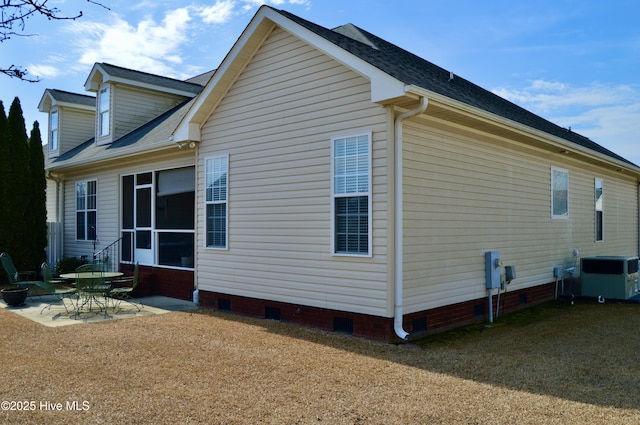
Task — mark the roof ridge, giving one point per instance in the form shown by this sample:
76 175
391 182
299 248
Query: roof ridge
70 92
412 69
147 73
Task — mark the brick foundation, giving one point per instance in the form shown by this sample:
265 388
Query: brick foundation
160 281
418 324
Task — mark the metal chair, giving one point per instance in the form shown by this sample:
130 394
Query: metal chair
16 277
123 293
49 286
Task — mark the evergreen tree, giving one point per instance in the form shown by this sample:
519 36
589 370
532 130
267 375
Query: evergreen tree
4 178
17 200
38 191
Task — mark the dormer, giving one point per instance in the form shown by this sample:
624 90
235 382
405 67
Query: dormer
70 122
127 99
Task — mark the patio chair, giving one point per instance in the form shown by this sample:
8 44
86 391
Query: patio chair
90 285
123 293
15 277
49 286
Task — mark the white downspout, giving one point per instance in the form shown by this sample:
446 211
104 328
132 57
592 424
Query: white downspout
399 225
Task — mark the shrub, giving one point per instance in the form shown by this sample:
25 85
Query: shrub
69 264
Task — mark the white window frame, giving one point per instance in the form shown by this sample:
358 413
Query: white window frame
54 130
565 215
338 192
104 111
598 205
85 209
211 201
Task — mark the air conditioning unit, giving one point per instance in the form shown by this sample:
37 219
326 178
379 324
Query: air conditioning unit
609 277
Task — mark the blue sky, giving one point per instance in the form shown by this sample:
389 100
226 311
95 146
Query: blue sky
576 63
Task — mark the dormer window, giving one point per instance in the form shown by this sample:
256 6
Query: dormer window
103 111
53 130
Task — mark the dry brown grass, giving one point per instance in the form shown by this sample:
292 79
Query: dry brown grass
573 365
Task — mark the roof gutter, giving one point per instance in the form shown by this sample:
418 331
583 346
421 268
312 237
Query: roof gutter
399 225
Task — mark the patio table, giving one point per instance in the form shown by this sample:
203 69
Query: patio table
93 291
81 275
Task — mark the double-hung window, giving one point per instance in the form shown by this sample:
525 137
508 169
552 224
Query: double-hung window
104 106
559 193
86 210
53 130
216 193
599 209
351 195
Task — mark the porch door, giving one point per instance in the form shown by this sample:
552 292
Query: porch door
144 243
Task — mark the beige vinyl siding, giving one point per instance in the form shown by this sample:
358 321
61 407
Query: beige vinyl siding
465 195
132 107
108 187
276 124
51 200
75 127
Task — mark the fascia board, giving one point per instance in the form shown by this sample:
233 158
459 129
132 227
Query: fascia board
187 131
89 84
43 100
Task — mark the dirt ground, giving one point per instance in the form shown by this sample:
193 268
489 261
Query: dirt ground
569 365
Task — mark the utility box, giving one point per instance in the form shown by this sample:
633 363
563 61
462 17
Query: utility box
492 269
609 277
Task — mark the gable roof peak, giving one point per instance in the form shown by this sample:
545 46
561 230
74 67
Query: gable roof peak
355 33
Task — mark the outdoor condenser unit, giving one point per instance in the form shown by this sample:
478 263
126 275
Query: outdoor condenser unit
609 277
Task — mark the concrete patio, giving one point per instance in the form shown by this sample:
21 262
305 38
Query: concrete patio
36 309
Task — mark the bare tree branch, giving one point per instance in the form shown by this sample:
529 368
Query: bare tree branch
17 72
14 15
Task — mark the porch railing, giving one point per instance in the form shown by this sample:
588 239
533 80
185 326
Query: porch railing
109 256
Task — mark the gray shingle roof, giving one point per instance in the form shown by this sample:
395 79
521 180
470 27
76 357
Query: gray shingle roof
413 70
201 79
152 134
156 80
68 97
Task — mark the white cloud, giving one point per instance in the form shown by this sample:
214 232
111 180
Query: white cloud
545 96
149 46
219 13
44 71
250 4
608 114
616 127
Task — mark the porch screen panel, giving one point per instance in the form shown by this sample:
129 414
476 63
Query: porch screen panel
175 216
128 194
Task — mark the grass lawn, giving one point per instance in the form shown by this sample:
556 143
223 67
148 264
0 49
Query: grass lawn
552 365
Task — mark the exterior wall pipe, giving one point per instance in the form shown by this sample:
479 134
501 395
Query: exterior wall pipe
399 225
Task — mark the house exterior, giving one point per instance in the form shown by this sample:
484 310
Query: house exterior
122 175
341 182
